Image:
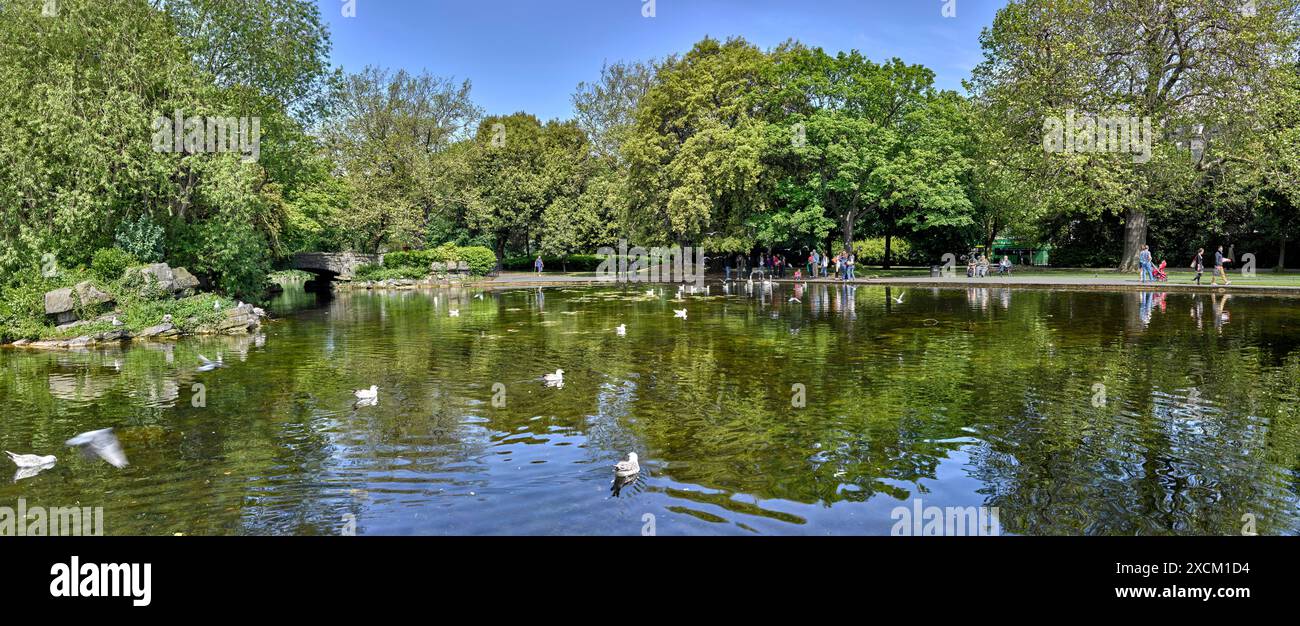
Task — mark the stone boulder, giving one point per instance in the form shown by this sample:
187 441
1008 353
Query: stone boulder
161 330
59 301
162 279
237 321
89 295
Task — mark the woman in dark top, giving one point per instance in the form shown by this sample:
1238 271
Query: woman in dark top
1198 264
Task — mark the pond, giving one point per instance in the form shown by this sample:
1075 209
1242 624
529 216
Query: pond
1071 412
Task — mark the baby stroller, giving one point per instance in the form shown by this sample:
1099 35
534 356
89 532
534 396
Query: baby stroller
1159 272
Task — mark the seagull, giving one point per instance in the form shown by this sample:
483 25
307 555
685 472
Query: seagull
167 319
259 312
478 296
102 443
216 305
24 461
367 394
116 322
679 313
899 299
794 299
557 377
622 330
650 293
207 365
628 467
455 312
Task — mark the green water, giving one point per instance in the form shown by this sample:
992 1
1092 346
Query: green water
980 397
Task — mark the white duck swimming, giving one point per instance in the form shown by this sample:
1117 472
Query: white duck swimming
628 467
367 394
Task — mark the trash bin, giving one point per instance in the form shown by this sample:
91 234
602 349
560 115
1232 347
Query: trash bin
936 271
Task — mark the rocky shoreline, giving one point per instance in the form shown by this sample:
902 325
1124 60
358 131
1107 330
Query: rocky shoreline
238 320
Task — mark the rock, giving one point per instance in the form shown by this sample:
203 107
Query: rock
71 325
159 274
113 335
59 301
89 295
184 281
22 342
161 330
79 341
237 321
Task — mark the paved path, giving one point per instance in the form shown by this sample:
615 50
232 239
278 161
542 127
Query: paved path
1100 282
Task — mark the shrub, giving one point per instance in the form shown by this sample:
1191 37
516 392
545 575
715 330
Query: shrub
108 264
482 261
142 239
372 271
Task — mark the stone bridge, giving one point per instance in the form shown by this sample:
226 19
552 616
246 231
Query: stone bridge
329 266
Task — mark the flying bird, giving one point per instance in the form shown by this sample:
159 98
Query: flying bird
621 330
478 296
207 366
627 468
794 299
100 443
455 312
899 299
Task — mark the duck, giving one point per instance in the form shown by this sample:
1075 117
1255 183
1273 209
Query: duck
628 467
367 394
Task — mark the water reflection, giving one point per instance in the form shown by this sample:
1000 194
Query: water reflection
980 396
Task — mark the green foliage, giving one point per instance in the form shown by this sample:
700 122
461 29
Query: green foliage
141 238
375 271
109 264
482 261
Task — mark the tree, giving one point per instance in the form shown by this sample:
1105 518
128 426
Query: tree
1185 64
392 136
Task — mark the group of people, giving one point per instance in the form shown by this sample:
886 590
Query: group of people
1151 273
840 266
977 266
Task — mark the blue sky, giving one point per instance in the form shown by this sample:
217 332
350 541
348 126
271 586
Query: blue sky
530 54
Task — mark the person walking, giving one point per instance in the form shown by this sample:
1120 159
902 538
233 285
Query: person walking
1219 260
1198 264
1144 262
537 264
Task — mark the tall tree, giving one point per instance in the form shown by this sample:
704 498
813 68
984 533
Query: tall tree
1185 64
